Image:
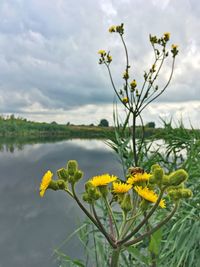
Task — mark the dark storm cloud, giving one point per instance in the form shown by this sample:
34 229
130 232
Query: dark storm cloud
48 50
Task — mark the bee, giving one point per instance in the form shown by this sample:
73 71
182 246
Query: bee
135 170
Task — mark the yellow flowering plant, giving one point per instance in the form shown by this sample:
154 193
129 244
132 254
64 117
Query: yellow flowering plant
130 202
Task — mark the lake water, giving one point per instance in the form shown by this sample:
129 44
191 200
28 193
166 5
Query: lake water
32 228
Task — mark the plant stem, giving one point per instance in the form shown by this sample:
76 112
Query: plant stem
144 220
150 232
134 139
92 218
115 257
112 215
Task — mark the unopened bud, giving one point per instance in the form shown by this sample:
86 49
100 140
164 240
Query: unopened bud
78 175
61 184
177 177
126 204
72 167
63 174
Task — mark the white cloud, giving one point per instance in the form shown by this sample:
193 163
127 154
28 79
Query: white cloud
48 56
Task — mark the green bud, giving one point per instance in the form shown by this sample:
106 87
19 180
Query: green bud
86 198
72 167
103 190
71 179
165 180
186 193
88 185
177 194
154 166
53 185
63 174
120 198
157 174
78 175
61 184
180 186
177 177
126 204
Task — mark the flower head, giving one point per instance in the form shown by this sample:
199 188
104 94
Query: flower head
102 180
138 177
133 84
125 100
166 36
174 50
102 52
149 195
45 182
112 29
119 187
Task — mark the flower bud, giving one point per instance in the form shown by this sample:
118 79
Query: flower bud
63 174
158 175
177 177
61 184
186 193
78 175
104 190
53 185
72 167
177 194
86 198
126 204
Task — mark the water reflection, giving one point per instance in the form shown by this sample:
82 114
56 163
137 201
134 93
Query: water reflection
31 227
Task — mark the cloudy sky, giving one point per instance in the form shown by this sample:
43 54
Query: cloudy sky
49 67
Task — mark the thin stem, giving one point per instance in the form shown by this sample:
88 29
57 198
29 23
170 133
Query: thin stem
144 220
115 258
94 240
134 139
69 192
150 232
112 215
123 224
142 138
127 66
91 217
151 84
113 85
173 63
98 220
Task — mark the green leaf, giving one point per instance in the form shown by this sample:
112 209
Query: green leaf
155 242
137 255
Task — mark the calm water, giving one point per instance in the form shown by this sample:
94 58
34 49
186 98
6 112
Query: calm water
31 227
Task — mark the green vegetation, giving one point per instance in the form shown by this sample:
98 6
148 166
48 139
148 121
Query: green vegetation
19 127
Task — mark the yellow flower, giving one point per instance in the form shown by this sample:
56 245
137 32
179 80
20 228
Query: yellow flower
112 29
167 36
174 46
125 75
119 187
45 182
125 100
133 84
102 180
149 195
138 177
109 58
102 52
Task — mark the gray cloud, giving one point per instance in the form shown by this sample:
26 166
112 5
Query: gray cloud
48 51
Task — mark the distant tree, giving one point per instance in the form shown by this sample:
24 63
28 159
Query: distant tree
91 124
68 123
54 123
12 116
104 123
151 124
